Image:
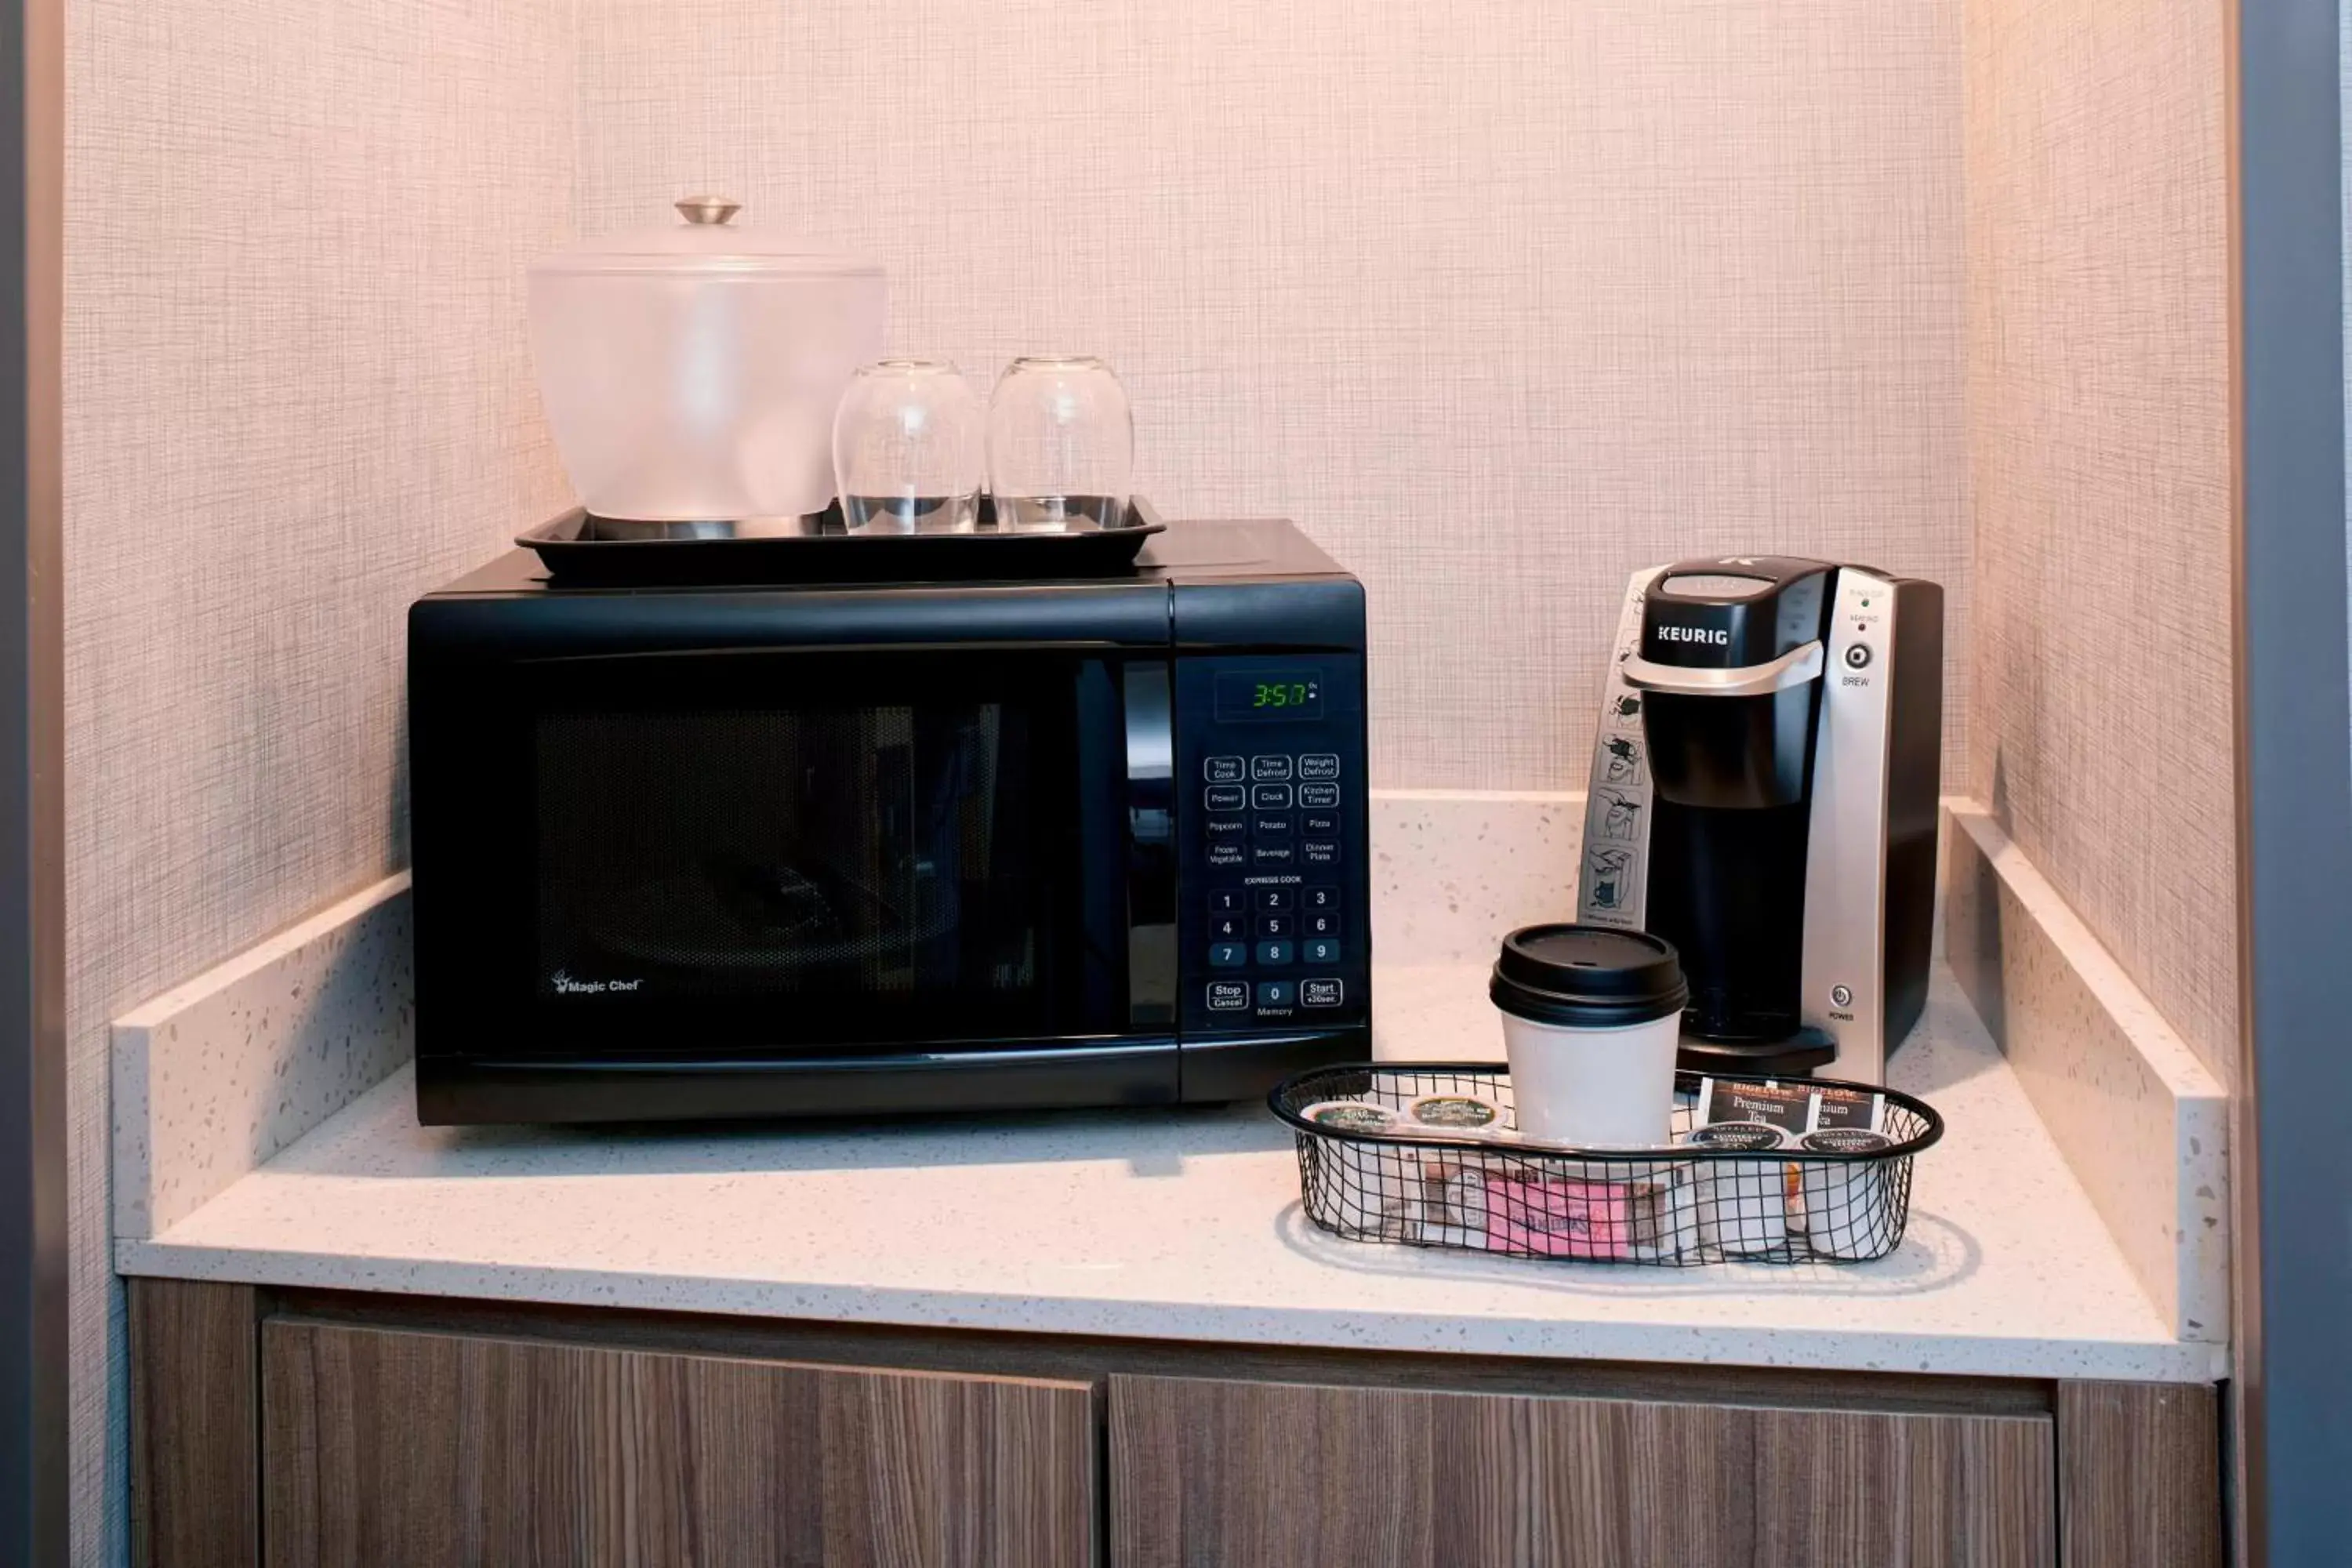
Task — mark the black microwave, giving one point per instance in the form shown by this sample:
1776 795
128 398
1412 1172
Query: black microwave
701 852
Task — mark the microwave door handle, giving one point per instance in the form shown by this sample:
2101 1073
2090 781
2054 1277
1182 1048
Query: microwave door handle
1151 845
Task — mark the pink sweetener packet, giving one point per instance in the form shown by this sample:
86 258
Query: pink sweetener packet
1558 1217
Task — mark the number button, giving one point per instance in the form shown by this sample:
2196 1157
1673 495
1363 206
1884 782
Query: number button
1270 769
1277 925
1227 954
1319 765
1316 950
1321 993
1321 796
1270 797
1224 770
1228 928
1274 953
1277 993
1322 899
1227 900
1321 923
1272 899
1228 995
1226 798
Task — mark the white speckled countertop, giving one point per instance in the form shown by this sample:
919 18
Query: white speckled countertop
1180 1225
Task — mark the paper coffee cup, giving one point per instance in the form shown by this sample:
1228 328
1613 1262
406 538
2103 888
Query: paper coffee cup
1592 1019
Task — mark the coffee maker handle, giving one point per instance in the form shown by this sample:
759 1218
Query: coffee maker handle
1795 668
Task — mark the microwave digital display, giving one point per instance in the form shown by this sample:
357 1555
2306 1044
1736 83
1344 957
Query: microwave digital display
1256 696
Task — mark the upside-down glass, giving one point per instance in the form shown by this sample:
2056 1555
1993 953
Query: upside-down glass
909 448
1061 444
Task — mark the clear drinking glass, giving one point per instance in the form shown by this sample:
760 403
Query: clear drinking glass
1061 444
909 448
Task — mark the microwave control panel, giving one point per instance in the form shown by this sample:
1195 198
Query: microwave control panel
1275 890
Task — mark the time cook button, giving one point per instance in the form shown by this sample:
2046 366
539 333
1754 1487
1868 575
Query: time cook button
1224 770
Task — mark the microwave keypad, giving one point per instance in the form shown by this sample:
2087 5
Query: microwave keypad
1285 818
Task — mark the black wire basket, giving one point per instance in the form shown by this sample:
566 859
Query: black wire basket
1678 1206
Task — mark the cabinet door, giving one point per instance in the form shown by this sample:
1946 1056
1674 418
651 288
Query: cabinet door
412 1450
1243 1474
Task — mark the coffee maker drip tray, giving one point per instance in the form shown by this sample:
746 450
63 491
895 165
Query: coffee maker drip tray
1792 1055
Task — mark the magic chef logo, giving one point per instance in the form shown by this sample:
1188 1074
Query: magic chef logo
1720 635
567 986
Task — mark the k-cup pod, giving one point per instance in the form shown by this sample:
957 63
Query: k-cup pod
1849 1208
1380 1184
1743 1205
1591 1018
1455 1115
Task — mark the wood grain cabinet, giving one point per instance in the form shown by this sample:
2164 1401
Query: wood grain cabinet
332 1429
1270 1475
412 1450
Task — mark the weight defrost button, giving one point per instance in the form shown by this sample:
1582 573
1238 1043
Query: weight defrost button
1319 765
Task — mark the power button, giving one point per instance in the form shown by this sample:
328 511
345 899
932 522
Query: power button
1857 655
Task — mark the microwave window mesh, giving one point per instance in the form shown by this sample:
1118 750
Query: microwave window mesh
869 853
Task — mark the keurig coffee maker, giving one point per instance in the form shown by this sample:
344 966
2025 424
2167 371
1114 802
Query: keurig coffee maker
1763 796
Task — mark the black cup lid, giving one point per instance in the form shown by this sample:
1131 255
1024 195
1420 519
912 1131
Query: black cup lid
1588 976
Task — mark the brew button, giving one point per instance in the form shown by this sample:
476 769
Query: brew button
1227 855
1226 798
1319 851
1857 655
1323 796
1321 923
1225 829
1265 827
1275 993
1228 995
1321 993
1324 823
1274 953
1227 900
1321 898
1227 954
1272 899
1319 765
1277 925
1272 854
1318 949
1270 769
1228 928
1224 770
1271 797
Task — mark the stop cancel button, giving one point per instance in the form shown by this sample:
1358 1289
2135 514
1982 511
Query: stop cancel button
1320 993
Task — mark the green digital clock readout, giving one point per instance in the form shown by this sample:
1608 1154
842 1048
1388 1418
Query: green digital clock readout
1268 694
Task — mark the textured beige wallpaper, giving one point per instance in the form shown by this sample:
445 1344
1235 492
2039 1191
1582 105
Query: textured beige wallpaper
2098 430
297 393
1500 301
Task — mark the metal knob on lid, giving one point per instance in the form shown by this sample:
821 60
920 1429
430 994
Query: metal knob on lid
707 209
